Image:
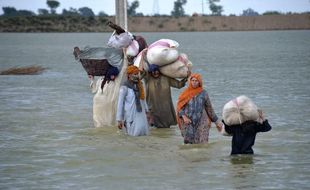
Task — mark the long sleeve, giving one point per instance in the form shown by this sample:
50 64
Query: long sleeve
264 127
120 104
181 112
176 83
145 105
229 129
209 109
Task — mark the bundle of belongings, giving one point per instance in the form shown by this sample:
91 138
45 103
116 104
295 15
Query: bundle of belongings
98 61
123 39
240 110
164 54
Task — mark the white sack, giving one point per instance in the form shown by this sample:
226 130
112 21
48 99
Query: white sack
239 110
177 69
165 43
120 41
133 49
162 52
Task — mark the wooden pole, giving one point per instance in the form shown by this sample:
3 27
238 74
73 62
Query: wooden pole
121 13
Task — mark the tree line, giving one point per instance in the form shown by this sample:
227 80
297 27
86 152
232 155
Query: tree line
178 10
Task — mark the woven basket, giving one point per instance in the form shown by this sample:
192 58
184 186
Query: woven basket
95 67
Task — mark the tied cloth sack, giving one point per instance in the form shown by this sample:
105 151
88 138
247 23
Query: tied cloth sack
120 41
136 46
240 110
177 69
162 52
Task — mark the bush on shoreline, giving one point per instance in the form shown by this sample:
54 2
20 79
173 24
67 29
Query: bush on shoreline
74 23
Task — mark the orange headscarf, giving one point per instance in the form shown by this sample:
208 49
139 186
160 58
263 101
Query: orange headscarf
188 94
131 69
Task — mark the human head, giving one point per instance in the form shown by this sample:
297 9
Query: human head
154 70
112 73
195 80
133 73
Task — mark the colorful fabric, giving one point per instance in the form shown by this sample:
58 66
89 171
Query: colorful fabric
199 110
189 93
153 68
131 69
135 122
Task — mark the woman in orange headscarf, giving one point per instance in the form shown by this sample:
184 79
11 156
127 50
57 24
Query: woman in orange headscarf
195 113
132 107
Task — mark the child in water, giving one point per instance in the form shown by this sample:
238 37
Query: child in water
242 120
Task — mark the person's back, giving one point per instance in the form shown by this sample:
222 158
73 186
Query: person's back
244 135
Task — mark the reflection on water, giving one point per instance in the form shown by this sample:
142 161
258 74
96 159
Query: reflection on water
242 159
47 139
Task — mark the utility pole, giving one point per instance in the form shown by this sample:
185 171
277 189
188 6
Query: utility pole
155 7
121 13
202 8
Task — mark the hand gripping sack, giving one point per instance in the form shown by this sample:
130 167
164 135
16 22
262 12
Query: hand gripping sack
239 110
162 52
177 69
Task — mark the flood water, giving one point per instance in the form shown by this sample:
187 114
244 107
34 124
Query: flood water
47 138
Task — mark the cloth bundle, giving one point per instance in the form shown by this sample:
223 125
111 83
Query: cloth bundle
164 54
120 41
179 68
240 110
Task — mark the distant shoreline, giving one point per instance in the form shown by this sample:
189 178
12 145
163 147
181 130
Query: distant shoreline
59 23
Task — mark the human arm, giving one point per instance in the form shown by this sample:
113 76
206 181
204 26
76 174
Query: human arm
263 124
92 85
184 117
143 74
117 28
120 106
177 83
228 129
211 114
264 127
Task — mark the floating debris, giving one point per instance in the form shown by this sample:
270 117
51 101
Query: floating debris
30 70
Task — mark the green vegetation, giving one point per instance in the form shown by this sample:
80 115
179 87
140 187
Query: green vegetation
178 9
215 9
53 5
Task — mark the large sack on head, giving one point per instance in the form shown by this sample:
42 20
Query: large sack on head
162 52
120 41
240 110
177 69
